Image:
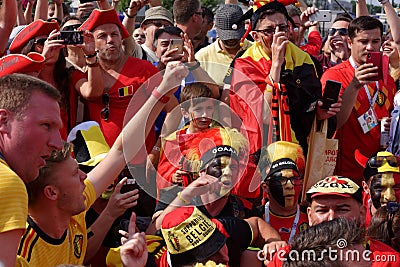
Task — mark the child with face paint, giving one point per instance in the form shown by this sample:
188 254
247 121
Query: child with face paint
197 107
382 181
282 181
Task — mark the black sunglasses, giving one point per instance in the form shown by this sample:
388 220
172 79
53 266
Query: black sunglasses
105 112
378 161
270 31
72 27
342 31
40 41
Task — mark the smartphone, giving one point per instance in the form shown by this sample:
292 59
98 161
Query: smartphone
130 185
376 59
71 37
176 43
85 1
331 93
322 16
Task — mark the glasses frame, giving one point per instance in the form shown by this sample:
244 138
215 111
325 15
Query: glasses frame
271 30
292 179
342 31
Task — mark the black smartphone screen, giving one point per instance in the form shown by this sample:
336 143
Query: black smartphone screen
331 93
71 37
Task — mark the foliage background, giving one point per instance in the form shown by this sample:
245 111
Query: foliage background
212 4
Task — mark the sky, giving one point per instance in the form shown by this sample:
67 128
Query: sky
375 2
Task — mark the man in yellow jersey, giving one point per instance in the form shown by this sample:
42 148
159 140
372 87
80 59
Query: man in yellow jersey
59 198
28 134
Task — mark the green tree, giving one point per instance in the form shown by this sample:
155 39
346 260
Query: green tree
212 4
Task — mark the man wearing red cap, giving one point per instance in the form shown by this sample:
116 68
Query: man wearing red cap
124 78
334 197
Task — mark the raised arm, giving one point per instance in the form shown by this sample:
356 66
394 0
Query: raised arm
129 142
394 22
8 17
361 8
129 23
93 86
41 9
58 12
116 206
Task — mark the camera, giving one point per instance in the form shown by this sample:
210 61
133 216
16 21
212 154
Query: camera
71 37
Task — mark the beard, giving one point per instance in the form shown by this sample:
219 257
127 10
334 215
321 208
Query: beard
110 56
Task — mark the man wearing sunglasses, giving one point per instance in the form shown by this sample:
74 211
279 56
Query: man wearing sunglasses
363 93
274 70
336 43
282 181
382 182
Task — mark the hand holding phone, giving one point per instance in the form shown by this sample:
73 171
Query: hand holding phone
331 93
376 59
176 43
71 37
321 16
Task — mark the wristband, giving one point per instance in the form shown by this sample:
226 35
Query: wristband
163 99
195 66
91 55
129 16
182 199
94 64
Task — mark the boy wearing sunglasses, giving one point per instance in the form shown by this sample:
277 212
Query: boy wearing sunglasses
282 182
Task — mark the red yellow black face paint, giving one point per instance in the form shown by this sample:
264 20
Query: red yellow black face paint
385 187
285 187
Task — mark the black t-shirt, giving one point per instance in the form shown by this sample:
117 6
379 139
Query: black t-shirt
240 237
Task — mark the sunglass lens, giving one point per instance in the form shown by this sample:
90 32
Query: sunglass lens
106 99
105 113
342 31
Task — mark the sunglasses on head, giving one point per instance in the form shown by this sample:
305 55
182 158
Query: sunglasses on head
271 30
73 27
342 31
378 161
40 41
105 112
